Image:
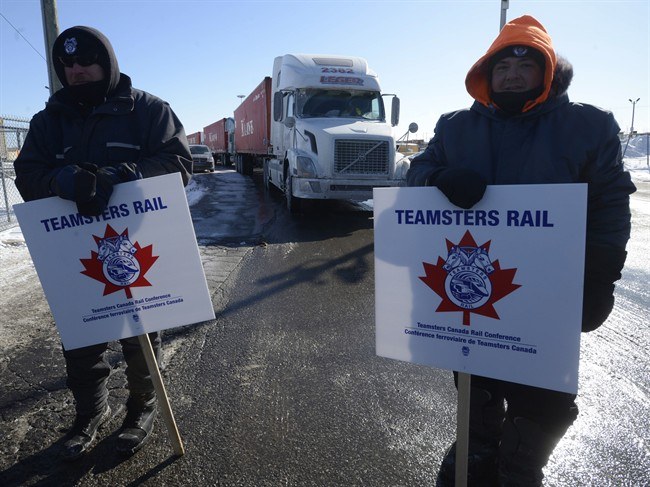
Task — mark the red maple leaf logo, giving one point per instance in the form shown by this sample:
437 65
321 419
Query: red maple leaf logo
95 267
500 280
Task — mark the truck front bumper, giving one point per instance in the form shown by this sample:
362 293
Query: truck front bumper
340 189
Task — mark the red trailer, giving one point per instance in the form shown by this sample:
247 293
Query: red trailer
253 128
194 138
218 137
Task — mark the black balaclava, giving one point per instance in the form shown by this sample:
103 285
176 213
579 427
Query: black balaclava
78 41
513 102
509 101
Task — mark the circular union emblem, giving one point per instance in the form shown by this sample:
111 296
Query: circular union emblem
70 45
519 51
468 287
121 268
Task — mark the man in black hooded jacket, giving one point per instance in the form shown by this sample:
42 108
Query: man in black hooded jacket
522 129
98 131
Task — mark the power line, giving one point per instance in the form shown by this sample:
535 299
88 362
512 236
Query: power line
18 32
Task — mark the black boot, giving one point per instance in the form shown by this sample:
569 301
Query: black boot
83 432
481 465
485 425
138 424
525 450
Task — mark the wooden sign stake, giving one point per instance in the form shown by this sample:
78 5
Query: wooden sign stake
462 428
161 395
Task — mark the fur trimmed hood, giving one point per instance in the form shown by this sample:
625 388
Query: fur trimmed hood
562 77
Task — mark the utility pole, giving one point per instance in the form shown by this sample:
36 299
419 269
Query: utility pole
633 102
50 33
504 8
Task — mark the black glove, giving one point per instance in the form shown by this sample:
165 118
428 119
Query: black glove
74 182
98 203
603 267
107 177
121 173
462 187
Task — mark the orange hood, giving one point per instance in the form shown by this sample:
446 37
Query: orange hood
522 31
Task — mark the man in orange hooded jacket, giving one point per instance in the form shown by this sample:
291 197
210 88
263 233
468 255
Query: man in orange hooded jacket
522 129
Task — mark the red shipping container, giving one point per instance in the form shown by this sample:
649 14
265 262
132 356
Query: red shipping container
253 121
216 137
194 138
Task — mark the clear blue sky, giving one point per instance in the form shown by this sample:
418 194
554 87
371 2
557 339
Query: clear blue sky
199 55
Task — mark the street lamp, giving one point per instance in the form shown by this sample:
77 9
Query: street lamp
241 98
633 102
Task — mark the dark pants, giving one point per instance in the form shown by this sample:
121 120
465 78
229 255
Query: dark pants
88 372
554 411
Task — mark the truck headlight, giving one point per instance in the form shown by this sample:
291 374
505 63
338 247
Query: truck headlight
305 167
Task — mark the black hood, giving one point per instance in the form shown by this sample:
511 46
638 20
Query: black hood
81 40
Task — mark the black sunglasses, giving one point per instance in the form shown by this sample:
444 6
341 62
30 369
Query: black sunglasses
87 60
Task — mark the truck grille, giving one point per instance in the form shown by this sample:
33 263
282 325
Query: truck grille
360 157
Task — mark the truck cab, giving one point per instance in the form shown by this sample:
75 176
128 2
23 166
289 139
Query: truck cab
329 134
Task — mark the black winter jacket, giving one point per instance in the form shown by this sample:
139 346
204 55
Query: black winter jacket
130 126
555 142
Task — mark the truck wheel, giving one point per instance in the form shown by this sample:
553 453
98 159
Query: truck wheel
293 203
247 166
265 169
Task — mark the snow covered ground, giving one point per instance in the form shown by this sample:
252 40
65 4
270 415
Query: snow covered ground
636 157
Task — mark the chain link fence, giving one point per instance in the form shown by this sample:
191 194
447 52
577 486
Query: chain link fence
12 136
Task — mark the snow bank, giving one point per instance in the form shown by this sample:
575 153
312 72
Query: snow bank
638 168
637 146
194 192
636 157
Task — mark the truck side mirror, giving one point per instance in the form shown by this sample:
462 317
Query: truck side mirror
277 106
290 122
394 112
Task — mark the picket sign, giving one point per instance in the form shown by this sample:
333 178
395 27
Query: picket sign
134 270
494 291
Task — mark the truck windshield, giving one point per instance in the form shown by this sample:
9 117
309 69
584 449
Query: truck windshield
366 105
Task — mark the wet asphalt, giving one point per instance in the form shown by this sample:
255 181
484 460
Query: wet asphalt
284 387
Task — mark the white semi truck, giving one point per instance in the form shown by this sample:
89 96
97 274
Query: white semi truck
329 138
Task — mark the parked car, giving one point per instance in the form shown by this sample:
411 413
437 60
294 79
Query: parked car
202 159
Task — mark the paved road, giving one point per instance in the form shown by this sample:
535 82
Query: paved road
277 392
35 406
